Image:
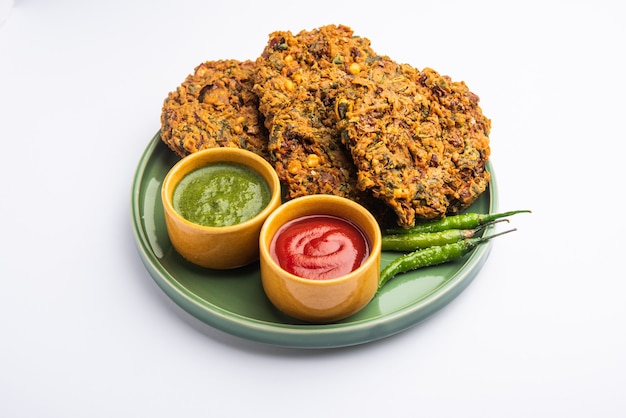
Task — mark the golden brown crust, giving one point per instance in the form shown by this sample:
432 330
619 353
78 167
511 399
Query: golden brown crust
297 79
334 117
419 140
214 107
289 67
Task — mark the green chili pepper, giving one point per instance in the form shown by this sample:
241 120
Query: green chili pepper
431 256
413 242
416 241
463 221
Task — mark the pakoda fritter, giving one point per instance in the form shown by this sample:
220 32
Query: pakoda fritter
215 107
335 117
289 67
419 141
297 79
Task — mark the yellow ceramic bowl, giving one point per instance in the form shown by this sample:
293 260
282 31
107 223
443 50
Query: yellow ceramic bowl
320 301
223 247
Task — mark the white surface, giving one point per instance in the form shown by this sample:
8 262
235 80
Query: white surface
85 332
5 10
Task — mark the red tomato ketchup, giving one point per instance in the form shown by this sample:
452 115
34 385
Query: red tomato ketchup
319 247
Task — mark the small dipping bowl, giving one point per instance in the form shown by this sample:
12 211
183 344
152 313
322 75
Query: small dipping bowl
218 247
320 300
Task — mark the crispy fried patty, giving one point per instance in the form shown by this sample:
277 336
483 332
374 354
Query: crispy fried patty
214 107
297 79
419 141
289 67
334 117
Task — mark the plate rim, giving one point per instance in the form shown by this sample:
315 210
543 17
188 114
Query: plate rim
296 335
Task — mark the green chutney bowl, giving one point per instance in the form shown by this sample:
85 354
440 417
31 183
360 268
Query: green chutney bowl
218 247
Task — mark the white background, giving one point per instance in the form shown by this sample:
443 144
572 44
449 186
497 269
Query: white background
85 331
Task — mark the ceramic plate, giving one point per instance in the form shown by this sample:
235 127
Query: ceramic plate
234 301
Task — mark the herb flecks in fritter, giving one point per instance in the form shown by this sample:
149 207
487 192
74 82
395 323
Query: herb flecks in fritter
214 107
334 117
297 80
419 140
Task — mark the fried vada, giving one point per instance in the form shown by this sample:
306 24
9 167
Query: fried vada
297 80
215 107
335 117
419 140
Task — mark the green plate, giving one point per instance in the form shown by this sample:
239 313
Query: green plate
234 301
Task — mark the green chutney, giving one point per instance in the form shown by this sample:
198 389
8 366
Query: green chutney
221 194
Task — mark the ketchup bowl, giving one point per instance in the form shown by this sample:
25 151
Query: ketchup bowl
320 258
215 202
